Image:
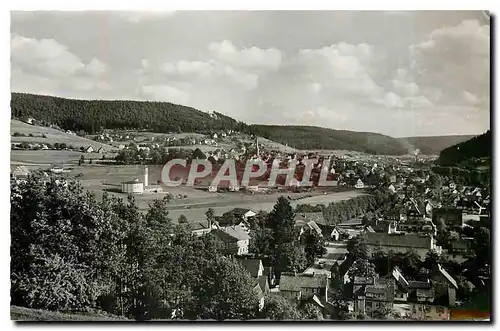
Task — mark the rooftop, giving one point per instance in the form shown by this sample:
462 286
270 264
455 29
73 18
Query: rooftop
298 282
239 211
447 276
252 265
318 218
398 240
236 232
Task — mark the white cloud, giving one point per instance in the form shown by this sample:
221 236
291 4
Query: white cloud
404 88
343 67
253 57
43 65
45 55
139 16
315 87
418 102
209 72
392 100
188 67
165 93
96 67
470 98
455 59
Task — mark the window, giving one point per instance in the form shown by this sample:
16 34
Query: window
427 309
439 310
368 304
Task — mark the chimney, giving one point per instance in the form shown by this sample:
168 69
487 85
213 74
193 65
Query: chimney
146 179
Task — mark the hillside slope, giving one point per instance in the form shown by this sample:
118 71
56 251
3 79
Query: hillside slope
310 137
475 148
52 136
432 145
92 115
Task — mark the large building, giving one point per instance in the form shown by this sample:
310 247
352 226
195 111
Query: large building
401 243
133 187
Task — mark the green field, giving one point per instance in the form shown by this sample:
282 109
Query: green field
48 157
53 136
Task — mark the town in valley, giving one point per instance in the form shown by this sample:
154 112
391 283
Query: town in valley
402 233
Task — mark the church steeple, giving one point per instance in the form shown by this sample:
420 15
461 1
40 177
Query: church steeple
257 146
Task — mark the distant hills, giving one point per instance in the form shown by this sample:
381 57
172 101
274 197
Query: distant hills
433 144
311 137
92 116
467 151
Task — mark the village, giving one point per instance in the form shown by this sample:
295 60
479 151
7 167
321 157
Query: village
425 214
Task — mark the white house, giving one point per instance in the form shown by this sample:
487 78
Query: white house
335 235
20 172
89 149
392 188
359 184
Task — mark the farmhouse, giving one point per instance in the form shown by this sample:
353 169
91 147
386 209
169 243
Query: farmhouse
20 172
303 287
89 149
305 226
235 241
359 184
371 296
201 228
242 213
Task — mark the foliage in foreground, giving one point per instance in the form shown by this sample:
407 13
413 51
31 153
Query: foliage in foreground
72 253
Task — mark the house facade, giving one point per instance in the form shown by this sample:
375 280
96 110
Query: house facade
303 287
234 241
419 311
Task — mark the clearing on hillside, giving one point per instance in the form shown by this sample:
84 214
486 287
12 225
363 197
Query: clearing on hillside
53 136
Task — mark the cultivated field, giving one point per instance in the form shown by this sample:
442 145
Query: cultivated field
48 157
53 136
191 202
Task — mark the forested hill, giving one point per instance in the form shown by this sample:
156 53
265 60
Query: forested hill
94 115
475 148
433 144
311 137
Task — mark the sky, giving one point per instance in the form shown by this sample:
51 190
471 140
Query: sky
392 72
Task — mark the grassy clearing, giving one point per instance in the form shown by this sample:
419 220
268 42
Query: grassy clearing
53 136
48 157
27 315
